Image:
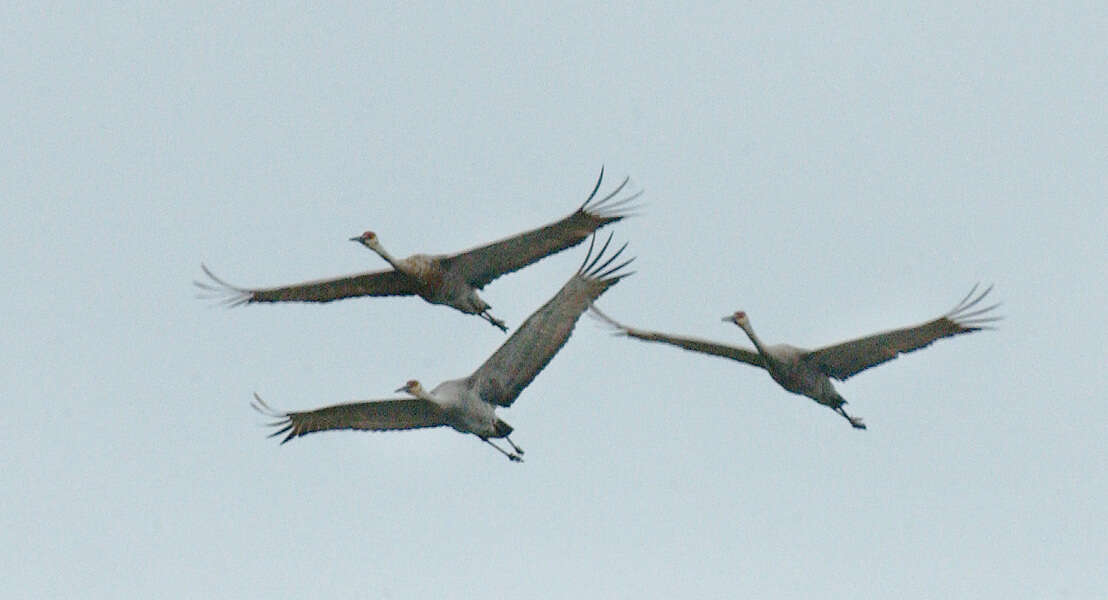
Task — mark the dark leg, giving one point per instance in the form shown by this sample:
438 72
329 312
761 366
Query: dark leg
486 315
514 446
512 457
855 422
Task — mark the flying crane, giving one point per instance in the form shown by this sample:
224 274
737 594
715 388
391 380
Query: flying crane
469 404
449 279
809 372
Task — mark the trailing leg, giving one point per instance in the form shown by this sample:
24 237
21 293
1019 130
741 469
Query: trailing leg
486 315
514 446
511 456
855 422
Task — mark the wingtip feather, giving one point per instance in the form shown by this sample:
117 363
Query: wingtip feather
965 314
616 327
227 294
595 189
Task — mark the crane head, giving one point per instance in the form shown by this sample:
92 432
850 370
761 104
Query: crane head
412 387
367 239
738 318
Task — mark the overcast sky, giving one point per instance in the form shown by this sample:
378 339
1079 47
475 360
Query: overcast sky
832 171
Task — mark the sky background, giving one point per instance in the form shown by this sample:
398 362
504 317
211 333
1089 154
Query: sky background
832 171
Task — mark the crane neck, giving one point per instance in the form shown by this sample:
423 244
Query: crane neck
395 262
757 343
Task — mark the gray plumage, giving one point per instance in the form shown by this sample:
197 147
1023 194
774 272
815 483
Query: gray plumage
452 280
469 404
809 372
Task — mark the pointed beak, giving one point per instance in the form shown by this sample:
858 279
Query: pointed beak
356 239
728 319
401 389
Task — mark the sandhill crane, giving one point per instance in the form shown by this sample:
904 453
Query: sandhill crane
469 404
808 372
451 279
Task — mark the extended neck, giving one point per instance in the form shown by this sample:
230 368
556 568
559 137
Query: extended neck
396 263
757 343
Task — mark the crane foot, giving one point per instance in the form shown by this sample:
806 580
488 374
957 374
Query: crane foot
494 321
514 446
855 422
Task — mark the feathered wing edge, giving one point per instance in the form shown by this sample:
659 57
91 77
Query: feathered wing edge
846 359
386 282
483 264
285 422
375 415
597 273
512 367
227 294
606 208
736 353
974 320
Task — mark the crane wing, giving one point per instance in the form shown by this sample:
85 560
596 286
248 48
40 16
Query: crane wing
376 415
376 283
481 265
849 358
531 347
744 355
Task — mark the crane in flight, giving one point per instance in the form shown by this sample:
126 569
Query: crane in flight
469 404
809 372
449 279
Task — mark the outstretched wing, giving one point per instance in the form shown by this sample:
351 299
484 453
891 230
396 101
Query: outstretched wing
376 415
848 358
481 265
744 355
376 283
527 352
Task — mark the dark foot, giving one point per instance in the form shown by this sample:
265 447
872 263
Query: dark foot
511 455
855 422
514 446
496 322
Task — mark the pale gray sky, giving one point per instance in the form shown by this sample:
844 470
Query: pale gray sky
832 171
